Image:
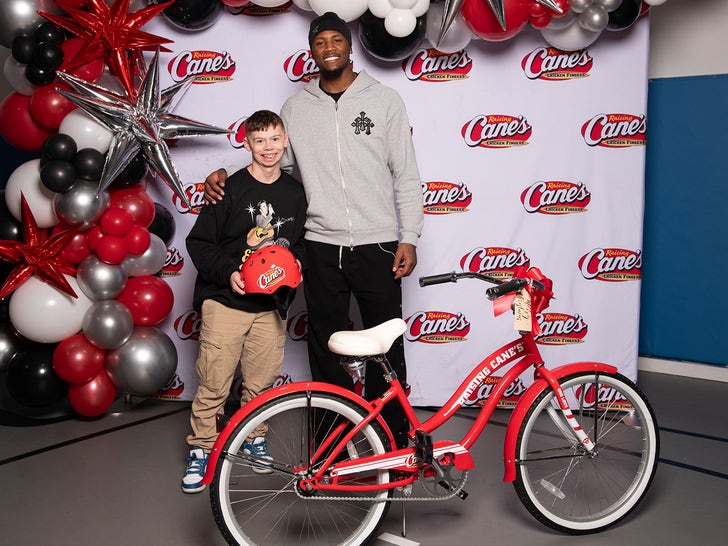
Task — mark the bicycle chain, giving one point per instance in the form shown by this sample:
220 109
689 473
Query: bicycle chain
450 495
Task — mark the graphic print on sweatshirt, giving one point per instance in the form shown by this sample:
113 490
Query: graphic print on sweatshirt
266 229
363 124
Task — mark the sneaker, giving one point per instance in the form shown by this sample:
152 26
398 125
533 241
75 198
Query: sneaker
259 450
196 465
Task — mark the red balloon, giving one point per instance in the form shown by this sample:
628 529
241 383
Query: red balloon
90 71
93 397
17 125
76 360
149 299
77 249
136 202
111 249
483 23
116 221
137 240
48 107
93 236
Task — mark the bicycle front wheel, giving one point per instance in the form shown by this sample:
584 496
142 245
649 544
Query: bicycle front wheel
270 508
570 489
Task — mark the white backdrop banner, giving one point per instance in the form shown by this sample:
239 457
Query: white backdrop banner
528 156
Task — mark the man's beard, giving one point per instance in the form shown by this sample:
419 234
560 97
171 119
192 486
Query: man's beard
332 74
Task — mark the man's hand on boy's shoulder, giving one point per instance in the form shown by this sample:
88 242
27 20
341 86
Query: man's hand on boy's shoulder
214 184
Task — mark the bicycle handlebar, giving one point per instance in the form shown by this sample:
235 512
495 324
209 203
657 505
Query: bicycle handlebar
495 292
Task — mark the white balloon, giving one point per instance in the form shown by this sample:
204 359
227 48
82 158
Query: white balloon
420 7
15 75
269 3
655 2
348 10
44 314
26 180
303 4
402 4
380 8
457 37
86 131
400 22
571 38
559 23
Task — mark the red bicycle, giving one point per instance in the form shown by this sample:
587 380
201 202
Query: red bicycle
581 446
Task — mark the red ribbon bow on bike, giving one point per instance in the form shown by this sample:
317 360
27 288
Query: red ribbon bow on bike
540 298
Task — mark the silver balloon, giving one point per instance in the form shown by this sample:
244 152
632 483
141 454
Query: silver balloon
108 324
580 6
81 205
145 363
18 16
99 280
595 18
148 263
610 5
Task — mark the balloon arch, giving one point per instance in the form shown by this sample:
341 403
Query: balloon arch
81 241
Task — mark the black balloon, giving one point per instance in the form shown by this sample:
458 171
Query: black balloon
625 15
193 14
38 75
47 55
60 146
58 175
132 173
22 48
49 32
89 164
163 225
382 45
31 380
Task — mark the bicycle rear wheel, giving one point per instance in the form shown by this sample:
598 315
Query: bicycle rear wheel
574 491
261 509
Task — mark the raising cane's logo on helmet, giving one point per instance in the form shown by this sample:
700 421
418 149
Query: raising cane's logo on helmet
300 67
611 264
510 396
195 195
555 197
172 390
549 63
561 329
437 327
496 131
297 326
431 65
205 66
173 263
187 325
445 197
499 262
615 130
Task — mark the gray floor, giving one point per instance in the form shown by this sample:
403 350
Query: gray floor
115 481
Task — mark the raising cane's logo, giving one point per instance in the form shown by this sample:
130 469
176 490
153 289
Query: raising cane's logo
561 329
437 327
297 326
548 63
187 325
611 264
496 131
300 67
252 10
615 130
510 396
499 262
172 390
445 197
271 277
173 263
205 66
431 65
195 195
555 197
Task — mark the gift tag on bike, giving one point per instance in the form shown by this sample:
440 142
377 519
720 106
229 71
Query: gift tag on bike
522 311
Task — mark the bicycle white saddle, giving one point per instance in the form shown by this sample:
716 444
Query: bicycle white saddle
369 342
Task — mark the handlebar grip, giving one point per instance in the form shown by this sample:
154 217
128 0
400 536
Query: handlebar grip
438 279
514 285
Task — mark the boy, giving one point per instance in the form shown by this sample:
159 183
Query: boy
265 206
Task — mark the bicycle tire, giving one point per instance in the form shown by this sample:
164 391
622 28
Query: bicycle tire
559 482
262 509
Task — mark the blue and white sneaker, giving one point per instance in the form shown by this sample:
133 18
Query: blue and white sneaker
258 449
196 465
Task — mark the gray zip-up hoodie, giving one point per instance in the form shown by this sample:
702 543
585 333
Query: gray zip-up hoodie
357 164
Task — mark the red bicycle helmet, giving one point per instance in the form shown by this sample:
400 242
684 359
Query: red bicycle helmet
269 268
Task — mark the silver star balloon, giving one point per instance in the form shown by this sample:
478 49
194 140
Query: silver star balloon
139 125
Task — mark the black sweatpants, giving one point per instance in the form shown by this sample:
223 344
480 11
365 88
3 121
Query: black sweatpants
332 275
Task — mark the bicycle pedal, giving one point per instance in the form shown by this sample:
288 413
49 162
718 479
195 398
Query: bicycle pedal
423 446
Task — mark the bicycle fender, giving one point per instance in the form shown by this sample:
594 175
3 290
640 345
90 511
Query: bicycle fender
526 401
283 390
